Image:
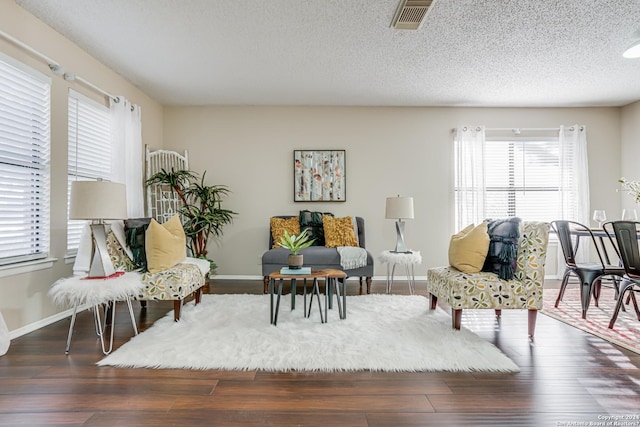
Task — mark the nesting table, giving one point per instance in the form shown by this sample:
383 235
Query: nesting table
331 278
78 291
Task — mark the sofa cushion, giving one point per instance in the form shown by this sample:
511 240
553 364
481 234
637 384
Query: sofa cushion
338 231
468 248
279 225
503 249
165 244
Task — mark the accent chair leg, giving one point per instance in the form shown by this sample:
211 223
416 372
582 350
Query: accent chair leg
456 317
177 306
498 313
265 281
533 314
369 284
198 295
434 301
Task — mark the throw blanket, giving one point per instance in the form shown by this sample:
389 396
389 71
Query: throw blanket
503 249
352 257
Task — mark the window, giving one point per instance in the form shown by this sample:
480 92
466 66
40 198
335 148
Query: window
89 152
522 178
537 175
24 162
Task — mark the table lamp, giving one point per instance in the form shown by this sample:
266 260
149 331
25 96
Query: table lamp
97 201
399 208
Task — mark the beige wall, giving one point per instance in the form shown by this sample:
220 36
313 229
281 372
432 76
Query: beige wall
630 152
389 151
23 297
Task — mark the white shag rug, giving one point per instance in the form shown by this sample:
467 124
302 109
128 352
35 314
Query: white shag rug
380 333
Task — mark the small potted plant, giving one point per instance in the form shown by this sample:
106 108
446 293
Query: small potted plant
295 243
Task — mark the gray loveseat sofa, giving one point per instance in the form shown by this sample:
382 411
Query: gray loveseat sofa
317 257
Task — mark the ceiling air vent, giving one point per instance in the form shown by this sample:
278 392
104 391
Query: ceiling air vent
411 14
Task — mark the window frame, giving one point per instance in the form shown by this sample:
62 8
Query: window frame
38 235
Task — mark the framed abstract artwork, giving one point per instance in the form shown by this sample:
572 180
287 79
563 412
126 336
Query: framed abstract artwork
319 176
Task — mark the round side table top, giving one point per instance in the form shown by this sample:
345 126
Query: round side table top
401 257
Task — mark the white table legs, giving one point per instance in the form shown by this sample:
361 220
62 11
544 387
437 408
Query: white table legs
101 325
411 278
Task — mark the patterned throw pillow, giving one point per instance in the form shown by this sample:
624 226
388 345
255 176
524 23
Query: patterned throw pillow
503 249
117 254
338 231
279 225
468 248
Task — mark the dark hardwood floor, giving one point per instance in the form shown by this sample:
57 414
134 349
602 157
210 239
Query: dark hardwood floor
567 378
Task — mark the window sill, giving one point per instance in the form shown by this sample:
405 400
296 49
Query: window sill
26 267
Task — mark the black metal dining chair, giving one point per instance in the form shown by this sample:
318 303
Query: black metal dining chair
626 235
590 274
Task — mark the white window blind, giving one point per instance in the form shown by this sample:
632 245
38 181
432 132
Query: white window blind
89 151
522 178
537 174
24 162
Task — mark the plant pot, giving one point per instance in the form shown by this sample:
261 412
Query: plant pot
295 261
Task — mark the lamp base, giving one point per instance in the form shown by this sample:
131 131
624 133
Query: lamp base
400 246
101 265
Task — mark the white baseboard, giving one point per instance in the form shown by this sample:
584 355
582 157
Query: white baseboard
44 322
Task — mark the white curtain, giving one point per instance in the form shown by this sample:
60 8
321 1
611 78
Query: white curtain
469 146
574 173
126 153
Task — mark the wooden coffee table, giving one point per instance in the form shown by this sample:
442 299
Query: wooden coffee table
315 275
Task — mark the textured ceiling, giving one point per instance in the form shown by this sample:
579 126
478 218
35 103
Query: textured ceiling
517 53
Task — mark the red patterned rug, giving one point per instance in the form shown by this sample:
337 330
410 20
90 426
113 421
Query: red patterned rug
625 333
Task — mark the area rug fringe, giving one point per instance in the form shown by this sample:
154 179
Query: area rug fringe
393 333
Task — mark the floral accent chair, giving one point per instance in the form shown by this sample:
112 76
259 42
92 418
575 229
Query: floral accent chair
174 284
486 290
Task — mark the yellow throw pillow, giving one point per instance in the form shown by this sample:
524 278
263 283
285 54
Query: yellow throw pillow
468 249
165 244
279 225
338 231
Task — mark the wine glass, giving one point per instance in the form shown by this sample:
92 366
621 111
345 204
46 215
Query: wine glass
600 216
629 215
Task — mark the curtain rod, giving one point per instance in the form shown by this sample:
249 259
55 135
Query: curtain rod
525 129
55 66
72 77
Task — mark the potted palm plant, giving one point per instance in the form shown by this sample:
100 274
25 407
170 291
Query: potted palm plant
202 214
295 243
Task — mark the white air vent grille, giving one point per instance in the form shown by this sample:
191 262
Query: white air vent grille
411 14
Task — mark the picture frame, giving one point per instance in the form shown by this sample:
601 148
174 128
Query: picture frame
319 176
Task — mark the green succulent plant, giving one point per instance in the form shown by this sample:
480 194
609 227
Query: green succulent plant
296 243
201 212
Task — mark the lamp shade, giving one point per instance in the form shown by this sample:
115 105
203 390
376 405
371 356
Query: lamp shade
98 200
399 208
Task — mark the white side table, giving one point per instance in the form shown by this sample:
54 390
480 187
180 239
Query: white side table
77 291
409 260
